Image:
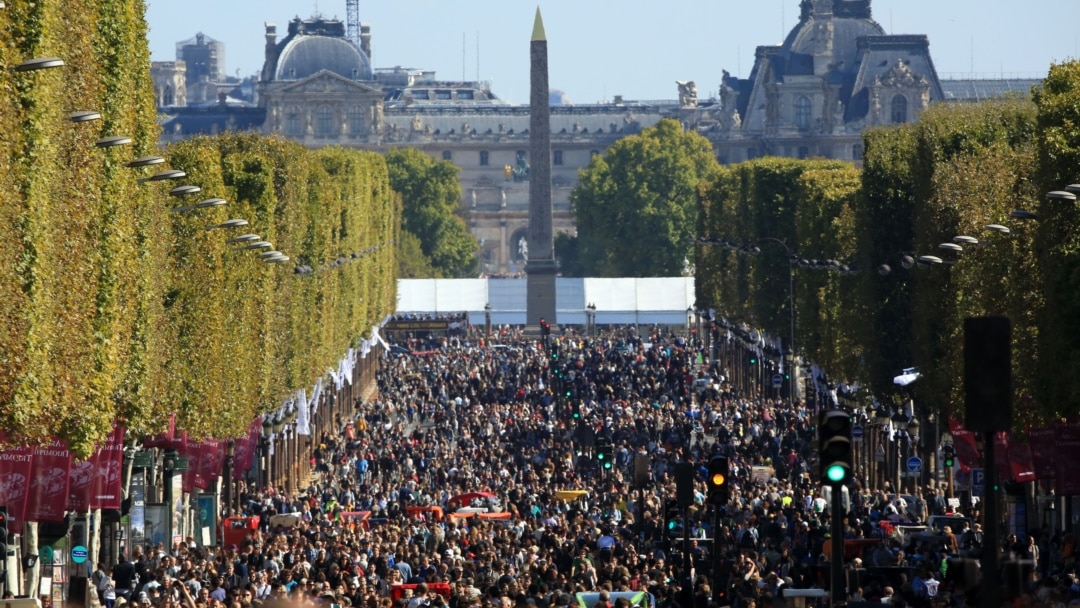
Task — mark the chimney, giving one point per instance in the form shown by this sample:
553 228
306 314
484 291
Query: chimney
270 60
365 39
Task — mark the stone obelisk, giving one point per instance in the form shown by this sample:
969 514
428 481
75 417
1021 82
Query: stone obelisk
540 266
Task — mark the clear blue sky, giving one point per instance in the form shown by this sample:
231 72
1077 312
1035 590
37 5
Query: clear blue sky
634 48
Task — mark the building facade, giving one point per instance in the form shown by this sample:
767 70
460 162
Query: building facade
835 74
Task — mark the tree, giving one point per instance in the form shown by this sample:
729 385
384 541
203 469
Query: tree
636 206
430 193
566 252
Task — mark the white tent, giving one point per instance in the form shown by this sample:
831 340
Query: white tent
618 301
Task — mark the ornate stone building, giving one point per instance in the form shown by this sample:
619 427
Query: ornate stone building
835 74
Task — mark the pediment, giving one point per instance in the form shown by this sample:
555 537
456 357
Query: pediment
329 82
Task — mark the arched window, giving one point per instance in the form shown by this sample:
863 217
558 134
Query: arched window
899 109
292 122
804 152
324 121
802 113
169 98
357 115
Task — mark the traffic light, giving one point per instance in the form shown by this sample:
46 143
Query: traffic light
3 536
672 522
948 455
575 408
834 439
684 484
753 359
718 474
545 328
605 456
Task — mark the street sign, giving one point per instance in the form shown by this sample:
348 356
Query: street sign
79 554
857 433
182 464
978 480
914 464
777 381
143 460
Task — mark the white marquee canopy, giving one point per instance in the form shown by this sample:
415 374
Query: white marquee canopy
618 301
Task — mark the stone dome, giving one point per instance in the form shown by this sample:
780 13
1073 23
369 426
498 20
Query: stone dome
825 40
304 56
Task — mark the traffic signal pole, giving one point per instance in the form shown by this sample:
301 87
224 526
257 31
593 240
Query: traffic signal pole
837 593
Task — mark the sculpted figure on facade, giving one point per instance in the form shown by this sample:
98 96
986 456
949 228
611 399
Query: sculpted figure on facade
687 93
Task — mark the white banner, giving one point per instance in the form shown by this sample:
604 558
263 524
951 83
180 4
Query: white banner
314 403
303 421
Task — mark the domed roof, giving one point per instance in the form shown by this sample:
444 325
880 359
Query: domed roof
304 56
826 40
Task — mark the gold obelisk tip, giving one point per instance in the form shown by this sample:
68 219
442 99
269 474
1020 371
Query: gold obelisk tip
538 28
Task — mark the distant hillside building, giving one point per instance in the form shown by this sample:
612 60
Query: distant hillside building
835 74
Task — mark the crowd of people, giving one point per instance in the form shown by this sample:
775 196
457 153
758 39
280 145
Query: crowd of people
513 423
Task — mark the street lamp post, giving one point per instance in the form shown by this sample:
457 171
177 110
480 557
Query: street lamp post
487 320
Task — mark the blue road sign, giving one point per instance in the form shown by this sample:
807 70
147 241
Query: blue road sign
914 464
777 381
978 480
856 432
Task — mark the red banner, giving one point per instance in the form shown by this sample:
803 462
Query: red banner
203 466
967 451
49 491
1021 463
244 452
15 470
193 452
217 460
81 484
108 479
1042 452
1067 446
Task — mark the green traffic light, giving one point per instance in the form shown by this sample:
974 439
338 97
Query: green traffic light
607 465
600 456
671 525
836 473
753 361
949 463
577 415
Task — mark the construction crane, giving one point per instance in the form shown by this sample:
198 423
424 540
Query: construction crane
352 21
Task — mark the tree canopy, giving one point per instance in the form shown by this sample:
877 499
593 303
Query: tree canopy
430 212
636 205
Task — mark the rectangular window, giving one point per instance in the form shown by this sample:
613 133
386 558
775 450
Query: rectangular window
483 158
556 157
464 94
447 155
856 152
804 151
443 94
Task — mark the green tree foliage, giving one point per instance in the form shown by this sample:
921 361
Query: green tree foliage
430 193
972 164
114 308
806 205
957 170
1057 239
636 206
566 252
412 263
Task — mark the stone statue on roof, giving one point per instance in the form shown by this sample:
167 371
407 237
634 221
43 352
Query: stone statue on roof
687 93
